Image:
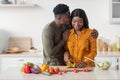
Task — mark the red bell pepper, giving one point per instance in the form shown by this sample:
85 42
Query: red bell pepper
27 69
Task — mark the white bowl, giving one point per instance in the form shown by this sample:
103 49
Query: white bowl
103 65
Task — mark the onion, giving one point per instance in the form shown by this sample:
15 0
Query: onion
35 69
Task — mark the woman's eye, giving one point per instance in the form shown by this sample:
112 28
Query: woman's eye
79 22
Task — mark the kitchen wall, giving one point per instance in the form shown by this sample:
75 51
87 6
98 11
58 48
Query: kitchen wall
29 21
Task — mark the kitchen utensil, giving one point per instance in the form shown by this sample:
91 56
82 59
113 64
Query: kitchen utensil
90 59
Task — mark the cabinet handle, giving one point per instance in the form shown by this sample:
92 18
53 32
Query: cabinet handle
21 60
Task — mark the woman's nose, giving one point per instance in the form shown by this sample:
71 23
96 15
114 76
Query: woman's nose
76 24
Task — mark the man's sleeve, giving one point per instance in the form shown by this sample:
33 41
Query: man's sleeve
49 47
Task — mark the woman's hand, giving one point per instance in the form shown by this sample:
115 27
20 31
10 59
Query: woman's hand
81 65
66 57
94 33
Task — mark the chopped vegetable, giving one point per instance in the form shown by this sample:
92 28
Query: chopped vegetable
65 71
60 73
75 70
86 70
103 65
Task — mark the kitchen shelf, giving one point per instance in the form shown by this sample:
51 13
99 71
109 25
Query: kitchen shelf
18 5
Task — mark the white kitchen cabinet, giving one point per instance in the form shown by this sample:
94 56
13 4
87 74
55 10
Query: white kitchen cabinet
17 60
7 62
114 10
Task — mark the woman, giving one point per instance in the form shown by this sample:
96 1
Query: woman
80 43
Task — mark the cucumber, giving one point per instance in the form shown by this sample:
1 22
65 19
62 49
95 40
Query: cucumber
46 73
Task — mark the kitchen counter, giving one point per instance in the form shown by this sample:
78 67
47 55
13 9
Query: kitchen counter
14 74
40 54
23 54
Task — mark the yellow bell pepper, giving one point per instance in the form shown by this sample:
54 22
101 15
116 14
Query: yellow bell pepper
44 67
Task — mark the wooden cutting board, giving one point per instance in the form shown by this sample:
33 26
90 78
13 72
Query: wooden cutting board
62 68
14 51
23 43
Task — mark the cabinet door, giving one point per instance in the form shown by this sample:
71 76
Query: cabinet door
16 62
114 11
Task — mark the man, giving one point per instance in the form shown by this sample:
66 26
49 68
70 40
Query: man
54 36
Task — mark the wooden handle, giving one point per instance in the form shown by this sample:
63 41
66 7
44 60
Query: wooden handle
89 59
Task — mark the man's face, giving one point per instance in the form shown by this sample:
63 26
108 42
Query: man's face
65 18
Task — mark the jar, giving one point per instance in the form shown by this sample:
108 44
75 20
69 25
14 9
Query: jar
118 44
105 46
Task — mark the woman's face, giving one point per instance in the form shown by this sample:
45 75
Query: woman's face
77 23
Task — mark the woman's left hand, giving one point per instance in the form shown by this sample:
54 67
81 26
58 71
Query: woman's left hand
81 64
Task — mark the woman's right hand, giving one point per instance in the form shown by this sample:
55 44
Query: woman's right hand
66 56
81 64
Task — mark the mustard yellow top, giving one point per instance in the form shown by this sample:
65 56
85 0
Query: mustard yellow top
81 45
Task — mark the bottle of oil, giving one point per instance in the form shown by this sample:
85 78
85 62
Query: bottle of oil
117 64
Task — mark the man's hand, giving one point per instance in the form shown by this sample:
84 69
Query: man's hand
94 33
81 64
65 35
66 57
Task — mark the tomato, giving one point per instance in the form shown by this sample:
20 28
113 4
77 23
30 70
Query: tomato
60 73
75 70
85 70
56 71
65 71
51 70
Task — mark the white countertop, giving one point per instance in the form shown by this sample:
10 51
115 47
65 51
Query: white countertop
15 74
23 54
40 54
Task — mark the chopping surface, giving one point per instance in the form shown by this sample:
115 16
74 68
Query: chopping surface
62 68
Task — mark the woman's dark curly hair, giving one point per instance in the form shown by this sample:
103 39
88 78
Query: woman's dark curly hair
80 13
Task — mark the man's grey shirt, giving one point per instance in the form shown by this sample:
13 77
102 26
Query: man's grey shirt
53 44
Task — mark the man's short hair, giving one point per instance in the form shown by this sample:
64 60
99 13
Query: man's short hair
60 9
